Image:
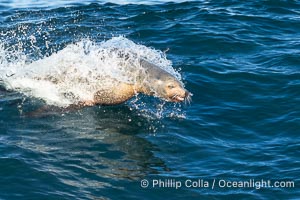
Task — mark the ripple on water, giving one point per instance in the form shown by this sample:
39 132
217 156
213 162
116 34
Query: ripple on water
239 59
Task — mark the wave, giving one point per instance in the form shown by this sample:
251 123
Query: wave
61 3
79 70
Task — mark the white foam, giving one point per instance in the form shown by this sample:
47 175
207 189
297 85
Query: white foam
76 72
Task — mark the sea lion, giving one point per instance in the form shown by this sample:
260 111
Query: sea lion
151 80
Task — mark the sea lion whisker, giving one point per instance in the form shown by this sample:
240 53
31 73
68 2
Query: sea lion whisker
174 96
188 99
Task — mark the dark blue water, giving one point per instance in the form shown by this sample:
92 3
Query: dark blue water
239 59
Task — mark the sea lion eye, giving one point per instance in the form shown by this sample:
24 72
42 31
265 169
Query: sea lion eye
171 86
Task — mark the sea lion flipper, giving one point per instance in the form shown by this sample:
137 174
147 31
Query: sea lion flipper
87 103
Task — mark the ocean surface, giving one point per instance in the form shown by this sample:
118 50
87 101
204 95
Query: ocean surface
238 138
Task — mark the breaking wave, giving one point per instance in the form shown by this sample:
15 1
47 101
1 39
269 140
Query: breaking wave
77 71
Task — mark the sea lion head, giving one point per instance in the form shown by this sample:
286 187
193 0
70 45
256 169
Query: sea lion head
160 83
171 89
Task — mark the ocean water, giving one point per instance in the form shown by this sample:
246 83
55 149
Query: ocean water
238 138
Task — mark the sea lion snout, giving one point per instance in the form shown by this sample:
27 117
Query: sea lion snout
186 96
175 92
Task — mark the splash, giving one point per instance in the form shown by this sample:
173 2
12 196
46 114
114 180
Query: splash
79 70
